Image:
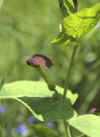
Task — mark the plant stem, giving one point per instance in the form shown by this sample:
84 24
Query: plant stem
91 95
67 129
67 79
62 8
50 85
61 3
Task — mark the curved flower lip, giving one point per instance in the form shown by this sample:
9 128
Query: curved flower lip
38 60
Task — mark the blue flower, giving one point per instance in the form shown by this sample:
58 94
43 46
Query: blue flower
22 129
50 124
2 109
31 120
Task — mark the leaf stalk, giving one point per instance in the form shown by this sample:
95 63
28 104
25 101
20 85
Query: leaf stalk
67 78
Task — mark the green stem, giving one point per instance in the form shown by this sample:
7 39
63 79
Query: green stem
67 79
61 4
62 8
67 129
50 85
91 95
81 135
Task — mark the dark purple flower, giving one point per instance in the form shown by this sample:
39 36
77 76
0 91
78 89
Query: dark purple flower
31 120
2 109
50 124
22 129
39 60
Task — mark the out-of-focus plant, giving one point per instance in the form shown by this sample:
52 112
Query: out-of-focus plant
44 99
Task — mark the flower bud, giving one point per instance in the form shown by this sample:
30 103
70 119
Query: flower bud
39 60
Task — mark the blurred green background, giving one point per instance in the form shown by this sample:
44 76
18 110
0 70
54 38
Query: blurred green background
27 27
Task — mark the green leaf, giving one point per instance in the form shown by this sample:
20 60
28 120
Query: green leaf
44 131
43 103
87 124
70 6
61 40
76 26
79 24
67 7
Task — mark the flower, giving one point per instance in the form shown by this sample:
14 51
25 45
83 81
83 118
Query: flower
31 120
22 129
50 124
2 109
39 60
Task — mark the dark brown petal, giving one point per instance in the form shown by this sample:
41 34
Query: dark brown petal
40 60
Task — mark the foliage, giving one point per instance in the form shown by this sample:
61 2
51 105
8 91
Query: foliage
85 123
75 26
39 99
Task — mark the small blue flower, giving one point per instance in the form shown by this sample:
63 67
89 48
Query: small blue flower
50 124
31 120
2 109
22 129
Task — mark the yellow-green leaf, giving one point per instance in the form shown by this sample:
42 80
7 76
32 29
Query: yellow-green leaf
77 25
67 7
80 23
43 103
87 124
